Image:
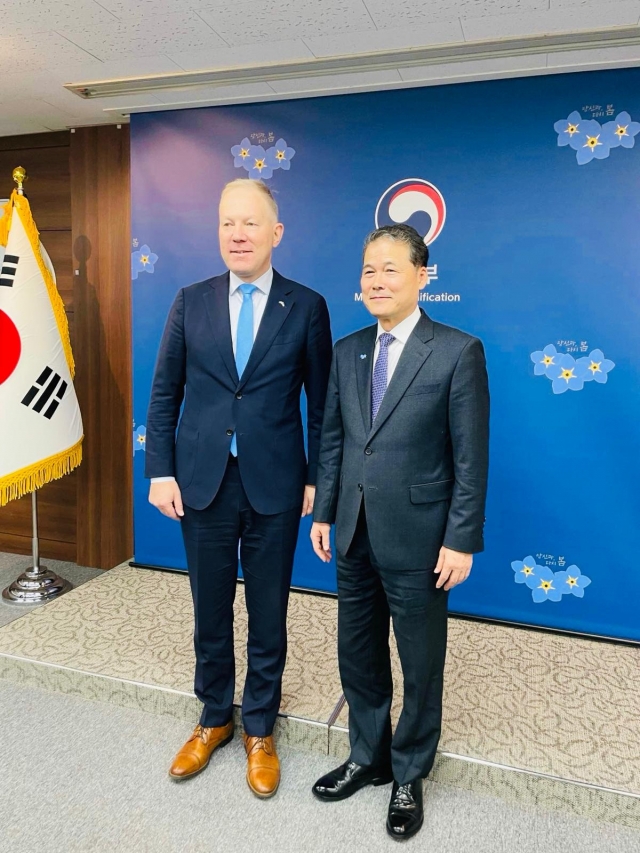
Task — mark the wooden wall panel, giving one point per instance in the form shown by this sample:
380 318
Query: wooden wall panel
102 309
47 187
45 156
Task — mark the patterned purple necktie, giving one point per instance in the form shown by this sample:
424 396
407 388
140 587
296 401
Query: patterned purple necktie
379 382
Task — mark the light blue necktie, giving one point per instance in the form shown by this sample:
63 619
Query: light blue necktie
244 339
379 380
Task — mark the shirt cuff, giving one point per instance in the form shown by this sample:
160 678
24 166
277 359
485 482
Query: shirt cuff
163 479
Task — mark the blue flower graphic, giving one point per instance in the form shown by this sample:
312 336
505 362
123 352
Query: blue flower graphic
572 582
281 155
546 360
242 154
569 130
567 375
142 261
543 585
139 439
524 569
593 143
260 166
596 366
621 131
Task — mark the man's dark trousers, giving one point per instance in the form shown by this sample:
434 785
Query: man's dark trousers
368 595
267 548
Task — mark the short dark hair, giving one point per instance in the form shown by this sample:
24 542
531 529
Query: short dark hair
418 251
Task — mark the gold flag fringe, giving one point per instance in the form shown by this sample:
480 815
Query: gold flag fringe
5 219
19 483
20 203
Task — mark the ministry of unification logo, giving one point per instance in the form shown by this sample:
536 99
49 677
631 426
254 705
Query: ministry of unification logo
419 203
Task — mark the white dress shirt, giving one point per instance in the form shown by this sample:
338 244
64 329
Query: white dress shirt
401 334
259 298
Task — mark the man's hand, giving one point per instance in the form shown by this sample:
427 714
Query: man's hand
453 567
321 540
167 498
307 501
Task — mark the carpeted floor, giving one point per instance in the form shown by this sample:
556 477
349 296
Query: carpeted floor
83 776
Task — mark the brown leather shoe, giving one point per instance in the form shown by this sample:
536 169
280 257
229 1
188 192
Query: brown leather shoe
263 767
195 754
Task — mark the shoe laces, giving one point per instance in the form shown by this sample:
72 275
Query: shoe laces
260 743
403 796
200 732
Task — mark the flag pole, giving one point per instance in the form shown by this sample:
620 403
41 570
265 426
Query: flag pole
37 584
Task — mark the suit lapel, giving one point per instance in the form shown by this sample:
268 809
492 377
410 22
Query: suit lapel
279 304
364 369
416 351
217 304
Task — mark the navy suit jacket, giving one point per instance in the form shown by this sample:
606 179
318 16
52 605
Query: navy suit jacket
421 467
196 363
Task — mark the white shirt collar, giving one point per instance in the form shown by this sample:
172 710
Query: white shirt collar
263 283
402 331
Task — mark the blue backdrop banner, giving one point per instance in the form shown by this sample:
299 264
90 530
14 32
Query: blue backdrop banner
528 193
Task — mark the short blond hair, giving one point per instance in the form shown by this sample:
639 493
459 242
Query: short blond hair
259 185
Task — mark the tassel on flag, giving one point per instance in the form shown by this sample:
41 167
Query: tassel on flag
40 423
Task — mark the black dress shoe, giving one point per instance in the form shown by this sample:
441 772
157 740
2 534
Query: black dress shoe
406 814
349 778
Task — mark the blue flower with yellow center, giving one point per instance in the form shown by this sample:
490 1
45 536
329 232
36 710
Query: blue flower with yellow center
596 366
142 261
280 155
567 374
592 144
621 131
242 154
569 130
139 439
572 582
545 360
524 569
259 165
544 585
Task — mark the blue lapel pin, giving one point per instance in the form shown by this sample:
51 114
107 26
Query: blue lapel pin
363 355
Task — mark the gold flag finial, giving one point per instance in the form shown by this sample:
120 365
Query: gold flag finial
20 176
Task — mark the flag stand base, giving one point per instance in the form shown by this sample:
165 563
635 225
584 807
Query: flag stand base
35 586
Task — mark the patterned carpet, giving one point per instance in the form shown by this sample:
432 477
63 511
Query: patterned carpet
535 701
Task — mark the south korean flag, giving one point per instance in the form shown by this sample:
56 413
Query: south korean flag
40 423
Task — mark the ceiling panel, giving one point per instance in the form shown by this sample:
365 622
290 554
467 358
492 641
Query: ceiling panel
440 32
228 57
569 19
251 21
145 38
38 51
42 15
405 12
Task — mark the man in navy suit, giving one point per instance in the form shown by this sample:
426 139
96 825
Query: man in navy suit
403 475
238 349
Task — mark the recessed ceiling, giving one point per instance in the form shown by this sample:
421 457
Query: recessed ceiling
48 43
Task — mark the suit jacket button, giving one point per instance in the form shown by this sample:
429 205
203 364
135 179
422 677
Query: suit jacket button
360 487
368 451
238 396
229 432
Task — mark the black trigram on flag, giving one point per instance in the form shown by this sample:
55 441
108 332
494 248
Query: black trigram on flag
8 271
42 392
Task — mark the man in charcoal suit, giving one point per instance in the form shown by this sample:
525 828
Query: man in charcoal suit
403 475
238 349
